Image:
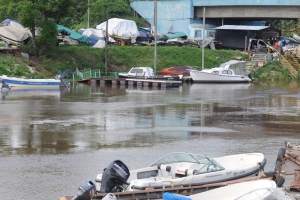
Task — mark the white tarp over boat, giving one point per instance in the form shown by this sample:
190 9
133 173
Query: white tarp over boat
15 31
97 37
120 27
98 40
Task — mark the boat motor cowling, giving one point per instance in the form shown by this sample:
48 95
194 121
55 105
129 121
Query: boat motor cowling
114 177
85 192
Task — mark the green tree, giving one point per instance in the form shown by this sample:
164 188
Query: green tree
116 8
40 13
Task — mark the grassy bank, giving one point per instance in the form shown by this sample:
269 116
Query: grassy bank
123 58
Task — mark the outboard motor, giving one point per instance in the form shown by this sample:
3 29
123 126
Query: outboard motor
85 192
114 177
4 85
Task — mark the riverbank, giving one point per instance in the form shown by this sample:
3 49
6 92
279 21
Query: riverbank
123 58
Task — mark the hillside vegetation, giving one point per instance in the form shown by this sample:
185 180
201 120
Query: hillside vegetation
123 58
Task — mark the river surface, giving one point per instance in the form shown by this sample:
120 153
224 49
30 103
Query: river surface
53 141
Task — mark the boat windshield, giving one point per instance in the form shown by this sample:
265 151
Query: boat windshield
182 157
266 193
211 166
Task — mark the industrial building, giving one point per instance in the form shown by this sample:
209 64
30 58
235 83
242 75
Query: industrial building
187 15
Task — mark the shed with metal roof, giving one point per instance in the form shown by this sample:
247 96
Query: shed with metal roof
237 36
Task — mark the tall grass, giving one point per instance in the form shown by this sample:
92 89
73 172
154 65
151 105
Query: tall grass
125 57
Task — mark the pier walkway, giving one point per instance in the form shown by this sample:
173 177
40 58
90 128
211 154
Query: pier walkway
132 82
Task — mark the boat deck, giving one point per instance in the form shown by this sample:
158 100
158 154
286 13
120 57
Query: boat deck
132 82
291 172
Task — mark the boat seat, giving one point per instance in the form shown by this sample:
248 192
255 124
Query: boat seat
185 172
164 167
165 170
151 183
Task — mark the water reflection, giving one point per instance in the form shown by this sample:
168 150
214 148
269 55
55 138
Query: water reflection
95 117
68 136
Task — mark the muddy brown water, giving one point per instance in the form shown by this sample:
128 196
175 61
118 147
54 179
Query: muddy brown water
53 141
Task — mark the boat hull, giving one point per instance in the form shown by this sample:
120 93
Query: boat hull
204 77
31 83
175 71
236 167
234 191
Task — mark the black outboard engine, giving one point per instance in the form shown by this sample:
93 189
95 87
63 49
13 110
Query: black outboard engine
85 192
114 177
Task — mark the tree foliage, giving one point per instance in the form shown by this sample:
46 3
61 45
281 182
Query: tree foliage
43 14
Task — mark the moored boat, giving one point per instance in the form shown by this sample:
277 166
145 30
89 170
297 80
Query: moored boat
250 190
222 74
176 172
31 83
182 169
147 73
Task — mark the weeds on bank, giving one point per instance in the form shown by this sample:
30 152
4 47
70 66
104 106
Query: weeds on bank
10 68
272 71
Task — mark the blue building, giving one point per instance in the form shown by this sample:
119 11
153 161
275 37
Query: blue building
187 15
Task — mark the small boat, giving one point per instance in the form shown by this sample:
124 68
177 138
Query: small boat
222 74
31 83
250 190
137 72
147 73
179 169
175 71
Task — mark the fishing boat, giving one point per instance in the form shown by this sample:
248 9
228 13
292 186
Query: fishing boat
30 83
222 74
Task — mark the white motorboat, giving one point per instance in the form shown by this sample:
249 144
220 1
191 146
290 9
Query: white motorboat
137 72
179 169
251 190
30 83
221 74
147 73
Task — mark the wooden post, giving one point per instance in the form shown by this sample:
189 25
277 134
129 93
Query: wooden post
106 39
155 35
297 174
203 38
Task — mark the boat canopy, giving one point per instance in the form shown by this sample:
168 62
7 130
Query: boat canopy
182 157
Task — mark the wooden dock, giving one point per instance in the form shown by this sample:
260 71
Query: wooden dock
291 171
132 82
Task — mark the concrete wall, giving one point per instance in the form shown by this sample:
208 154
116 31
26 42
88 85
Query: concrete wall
176 13
246 2
181 13
253 12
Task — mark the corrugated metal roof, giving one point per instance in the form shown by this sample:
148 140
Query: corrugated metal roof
240 27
